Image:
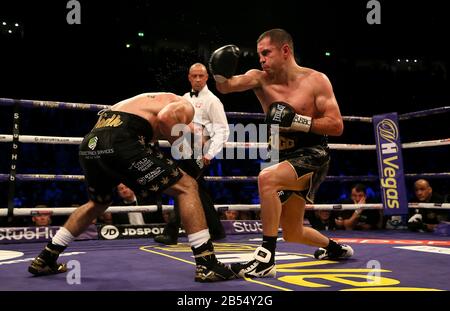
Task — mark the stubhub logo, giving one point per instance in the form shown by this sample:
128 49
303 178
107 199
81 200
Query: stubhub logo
247 227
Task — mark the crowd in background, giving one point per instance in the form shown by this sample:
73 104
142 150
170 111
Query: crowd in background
422 220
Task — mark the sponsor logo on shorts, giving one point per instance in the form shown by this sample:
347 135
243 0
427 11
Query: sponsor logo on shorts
113 121
150 176
141 140
280 142
95 154
93 142
141 165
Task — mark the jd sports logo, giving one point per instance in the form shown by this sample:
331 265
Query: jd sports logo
93 142
109 232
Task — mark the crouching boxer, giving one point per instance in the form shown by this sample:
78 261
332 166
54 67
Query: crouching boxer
119 150
300 102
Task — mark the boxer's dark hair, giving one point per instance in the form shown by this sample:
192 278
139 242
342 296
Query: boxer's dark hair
279 37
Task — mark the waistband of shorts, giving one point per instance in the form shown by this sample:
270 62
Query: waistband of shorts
289 141
124 120
292 152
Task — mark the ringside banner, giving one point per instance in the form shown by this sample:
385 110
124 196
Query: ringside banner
114 232
390 164
39 234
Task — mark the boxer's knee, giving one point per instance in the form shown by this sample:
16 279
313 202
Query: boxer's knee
267 181
185 185
189 184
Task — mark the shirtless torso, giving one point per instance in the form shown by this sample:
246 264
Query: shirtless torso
308 91
149 105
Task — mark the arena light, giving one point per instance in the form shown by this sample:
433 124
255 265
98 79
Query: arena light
16 24
407 60
140 34
327 54
128 45
10 31
4 23
398 60
415 60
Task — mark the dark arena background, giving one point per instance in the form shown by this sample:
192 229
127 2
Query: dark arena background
380 56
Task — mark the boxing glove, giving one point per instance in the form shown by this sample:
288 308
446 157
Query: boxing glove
223 62
284 115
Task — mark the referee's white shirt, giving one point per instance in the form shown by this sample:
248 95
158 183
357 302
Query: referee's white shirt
209 112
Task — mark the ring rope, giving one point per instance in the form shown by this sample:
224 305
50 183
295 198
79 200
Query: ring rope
56 177
95 107
424 113
60 211
55 140
51 104
426 143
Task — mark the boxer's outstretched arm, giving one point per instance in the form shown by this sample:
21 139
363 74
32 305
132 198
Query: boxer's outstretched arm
239 83
223 65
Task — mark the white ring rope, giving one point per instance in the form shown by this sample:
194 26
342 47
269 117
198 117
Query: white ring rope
153 208
60 211
47 177
164 143
427 143
52 140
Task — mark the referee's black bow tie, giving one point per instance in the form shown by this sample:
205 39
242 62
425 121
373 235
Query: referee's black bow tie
194 93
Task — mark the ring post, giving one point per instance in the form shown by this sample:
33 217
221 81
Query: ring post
390 164
14 156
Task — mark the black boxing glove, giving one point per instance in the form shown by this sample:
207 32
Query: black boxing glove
223 62
284 115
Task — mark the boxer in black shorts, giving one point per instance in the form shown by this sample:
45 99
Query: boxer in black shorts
124 153
300 103
119 149
307 154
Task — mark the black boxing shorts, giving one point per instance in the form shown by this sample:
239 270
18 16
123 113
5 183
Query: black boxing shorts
308 154
192 167
118 150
